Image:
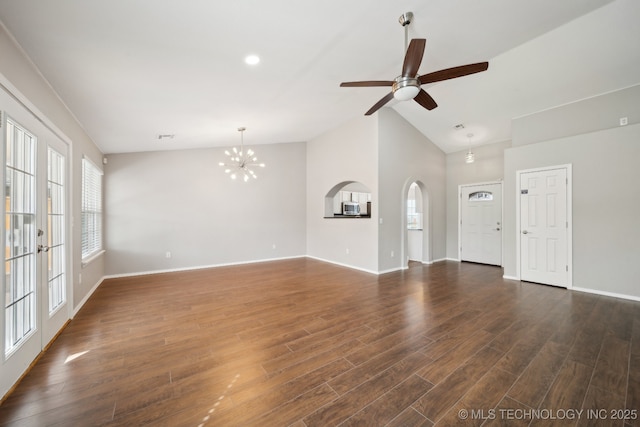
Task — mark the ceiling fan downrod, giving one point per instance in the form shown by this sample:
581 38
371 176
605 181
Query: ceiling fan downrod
405 21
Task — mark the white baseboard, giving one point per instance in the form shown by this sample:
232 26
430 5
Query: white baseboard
607 294
343 265
77 308
200 267
588 291
391 270
197 267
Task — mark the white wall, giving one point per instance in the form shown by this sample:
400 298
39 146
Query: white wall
606 198
347 153
22 74
406 156
488 166
182 202
606 205
589 115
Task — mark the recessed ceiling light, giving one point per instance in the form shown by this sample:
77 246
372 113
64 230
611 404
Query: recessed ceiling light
252 59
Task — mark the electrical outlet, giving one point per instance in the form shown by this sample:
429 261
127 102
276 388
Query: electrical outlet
347 251
392 254
380 220
80 279
274 246
167 255
624 121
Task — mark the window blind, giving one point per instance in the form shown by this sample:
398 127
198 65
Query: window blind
91 209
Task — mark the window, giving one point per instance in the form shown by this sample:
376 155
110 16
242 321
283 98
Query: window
414 218
20 229
56 230
91 209
481 196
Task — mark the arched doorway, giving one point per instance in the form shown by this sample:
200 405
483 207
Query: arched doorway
416 229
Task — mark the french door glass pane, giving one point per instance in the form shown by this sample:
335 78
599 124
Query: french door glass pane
55 230
20 215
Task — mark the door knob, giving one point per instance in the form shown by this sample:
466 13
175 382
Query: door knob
43 248
525 232
498 229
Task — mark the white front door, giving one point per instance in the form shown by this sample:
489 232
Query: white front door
35 280
544 225
481 223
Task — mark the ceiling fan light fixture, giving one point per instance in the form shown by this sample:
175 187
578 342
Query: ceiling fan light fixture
406 93
405 88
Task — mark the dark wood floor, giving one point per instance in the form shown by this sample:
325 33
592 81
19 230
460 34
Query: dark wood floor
305 343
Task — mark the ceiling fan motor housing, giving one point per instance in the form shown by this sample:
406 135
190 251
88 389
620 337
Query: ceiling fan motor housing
405 88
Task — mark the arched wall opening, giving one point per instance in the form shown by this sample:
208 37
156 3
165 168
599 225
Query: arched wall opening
416 223
347 191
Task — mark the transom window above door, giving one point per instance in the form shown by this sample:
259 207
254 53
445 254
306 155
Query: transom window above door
481 196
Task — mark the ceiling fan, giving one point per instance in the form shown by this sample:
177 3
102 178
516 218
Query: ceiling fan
407 85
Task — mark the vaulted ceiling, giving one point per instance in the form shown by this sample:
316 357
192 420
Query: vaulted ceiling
131 70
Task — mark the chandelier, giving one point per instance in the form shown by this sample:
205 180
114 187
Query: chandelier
240 161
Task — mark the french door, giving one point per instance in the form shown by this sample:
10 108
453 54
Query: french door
35 277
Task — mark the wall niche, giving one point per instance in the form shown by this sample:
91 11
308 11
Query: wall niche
348 199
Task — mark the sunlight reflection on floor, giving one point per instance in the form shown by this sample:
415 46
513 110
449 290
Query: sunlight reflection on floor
220 399
75 356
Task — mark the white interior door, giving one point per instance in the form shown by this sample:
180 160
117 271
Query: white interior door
481 223
35 280
544 225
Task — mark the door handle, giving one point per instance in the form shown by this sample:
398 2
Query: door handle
498 229
525 232
43 248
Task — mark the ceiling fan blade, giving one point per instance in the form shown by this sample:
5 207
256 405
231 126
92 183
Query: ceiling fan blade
367 83
452 73
424 99
413 57
379 104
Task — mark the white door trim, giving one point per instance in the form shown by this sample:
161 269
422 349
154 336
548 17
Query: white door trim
460 187
569 219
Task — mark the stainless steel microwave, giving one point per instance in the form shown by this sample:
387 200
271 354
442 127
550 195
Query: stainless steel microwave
350 208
